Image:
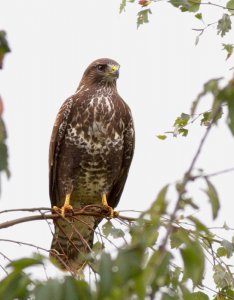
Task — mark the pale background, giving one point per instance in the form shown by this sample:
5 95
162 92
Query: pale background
161 73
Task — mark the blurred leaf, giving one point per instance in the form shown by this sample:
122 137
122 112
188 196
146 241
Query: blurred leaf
228 246
23 263
157 271
199 296
228 48
186 5
143 17
222 278
133 256
179 236
221 251
224 25
161 137
193 258
206 118
187 201
182 120
106 228
199 225
144 3
122 6
166 296
160 204
106 276
70 288
183 131
230 6
211 86
4 46
98 247
15 286
213 198
109 229
198 16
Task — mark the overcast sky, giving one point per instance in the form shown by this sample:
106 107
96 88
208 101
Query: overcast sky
161 73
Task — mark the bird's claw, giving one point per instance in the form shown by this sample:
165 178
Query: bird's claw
65 208
111 212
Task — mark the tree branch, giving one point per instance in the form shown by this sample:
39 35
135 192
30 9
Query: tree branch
89 210
187 178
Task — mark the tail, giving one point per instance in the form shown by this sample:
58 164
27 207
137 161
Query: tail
72 241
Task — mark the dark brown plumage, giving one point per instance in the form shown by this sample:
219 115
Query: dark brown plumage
91 149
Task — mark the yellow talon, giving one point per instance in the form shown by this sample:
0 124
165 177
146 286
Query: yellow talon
112 213
65 207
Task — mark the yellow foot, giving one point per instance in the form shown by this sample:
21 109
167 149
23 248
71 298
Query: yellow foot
66 207
112 212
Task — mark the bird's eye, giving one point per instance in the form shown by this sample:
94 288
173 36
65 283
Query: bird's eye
101 67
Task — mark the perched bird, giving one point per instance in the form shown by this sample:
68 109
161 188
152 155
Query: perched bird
91 150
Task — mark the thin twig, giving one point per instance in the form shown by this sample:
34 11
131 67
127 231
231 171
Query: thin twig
213 174
186 179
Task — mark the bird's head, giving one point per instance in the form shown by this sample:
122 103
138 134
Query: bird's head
102 71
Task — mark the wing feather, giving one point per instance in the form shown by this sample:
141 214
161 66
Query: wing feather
57 137
129 144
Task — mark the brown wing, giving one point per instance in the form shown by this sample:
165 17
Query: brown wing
129 143
56 140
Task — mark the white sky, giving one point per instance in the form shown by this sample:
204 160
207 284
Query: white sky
161 72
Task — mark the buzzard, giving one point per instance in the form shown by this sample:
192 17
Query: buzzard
91 150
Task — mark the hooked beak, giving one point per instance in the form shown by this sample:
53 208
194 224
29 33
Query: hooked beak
114 71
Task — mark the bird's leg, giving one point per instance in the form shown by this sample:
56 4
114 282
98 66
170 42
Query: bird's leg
66 206
112 212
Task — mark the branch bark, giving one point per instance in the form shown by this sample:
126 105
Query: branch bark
89 210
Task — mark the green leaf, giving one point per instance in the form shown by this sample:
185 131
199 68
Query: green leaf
158 273
221 251
230 119
199 225
106 228
109 229
222 277
160 204
179 237
98 247
224 25
183 131
182 120
229 49
213 198
69 288
122 6
199 296
166 296
3 149
186 5
128 264
161 137
206 118
198 16
143 17
193 259
23 263
106 276
228 247
4 47
230 6
211 86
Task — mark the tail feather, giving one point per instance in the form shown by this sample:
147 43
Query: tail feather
72 241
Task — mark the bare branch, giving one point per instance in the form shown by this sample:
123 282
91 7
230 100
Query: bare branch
89 210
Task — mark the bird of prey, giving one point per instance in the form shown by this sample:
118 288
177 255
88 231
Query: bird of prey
91 150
